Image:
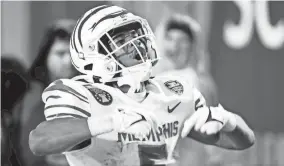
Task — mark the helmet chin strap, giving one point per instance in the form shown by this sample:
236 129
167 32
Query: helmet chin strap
135 80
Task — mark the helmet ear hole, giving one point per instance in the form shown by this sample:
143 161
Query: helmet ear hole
111 66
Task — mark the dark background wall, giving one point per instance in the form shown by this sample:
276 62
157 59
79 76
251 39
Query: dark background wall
250 79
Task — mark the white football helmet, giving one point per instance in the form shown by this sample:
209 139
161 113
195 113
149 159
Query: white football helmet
114 45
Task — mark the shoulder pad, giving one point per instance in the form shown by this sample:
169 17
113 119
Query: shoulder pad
67 86
174 84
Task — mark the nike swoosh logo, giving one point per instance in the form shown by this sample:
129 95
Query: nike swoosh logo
196 104
170 110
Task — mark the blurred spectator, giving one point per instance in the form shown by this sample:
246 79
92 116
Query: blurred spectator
53 59
13 86
52 62
177 42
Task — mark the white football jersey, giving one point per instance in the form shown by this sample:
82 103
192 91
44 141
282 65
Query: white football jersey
172 99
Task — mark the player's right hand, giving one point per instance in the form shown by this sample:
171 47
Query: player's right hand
134 121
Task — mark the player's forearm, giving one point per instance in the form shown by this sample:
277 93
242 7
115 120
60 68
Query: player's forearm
59 135
242 137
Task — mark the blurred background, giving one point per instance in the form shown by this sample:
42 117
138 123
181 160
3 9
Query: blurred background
237 49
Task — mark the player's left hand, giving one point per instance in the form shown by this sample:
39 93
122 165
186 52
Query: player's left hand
209 121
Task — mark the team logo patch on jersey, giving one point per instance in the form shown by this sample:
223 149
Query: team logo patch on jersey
174 86
101 96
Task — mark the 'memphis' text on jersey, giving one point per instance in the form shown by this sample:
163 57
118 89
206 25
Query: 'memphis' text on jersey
167 130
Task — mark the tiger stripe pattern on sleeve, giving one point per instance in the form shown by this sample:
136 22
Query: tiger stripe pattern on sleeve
65 98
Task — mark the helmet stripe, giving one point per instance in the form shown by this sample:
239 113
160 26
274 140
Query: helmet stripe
73 62
86 18
73 40
112 15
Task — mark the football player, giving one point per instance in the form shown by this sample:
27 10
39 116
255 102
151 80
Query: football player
115 113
